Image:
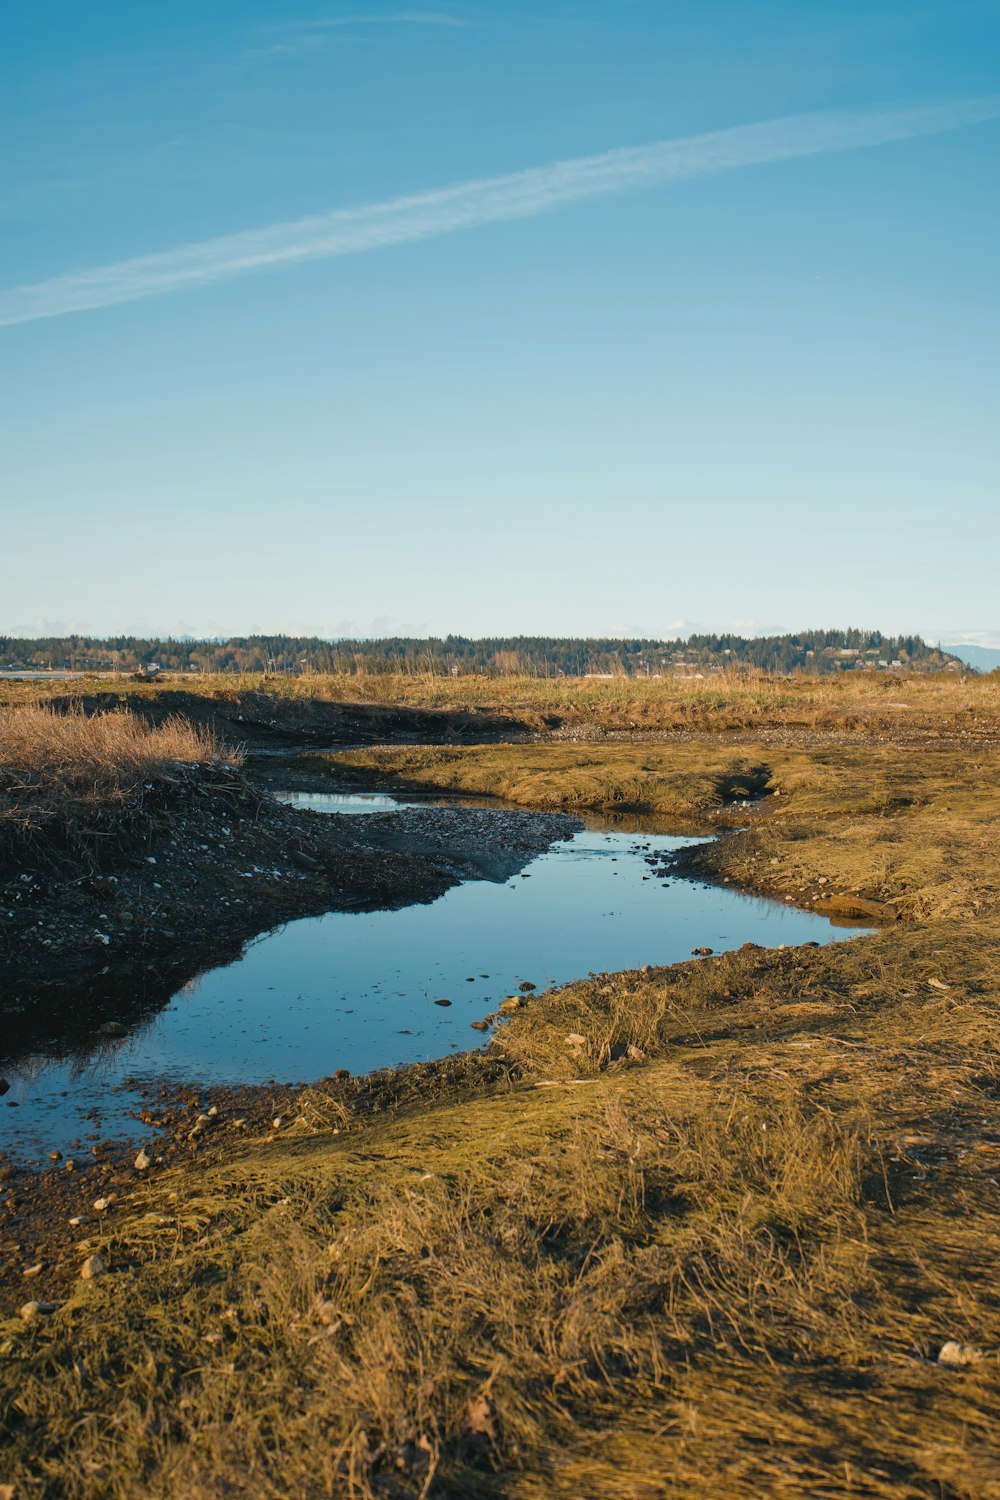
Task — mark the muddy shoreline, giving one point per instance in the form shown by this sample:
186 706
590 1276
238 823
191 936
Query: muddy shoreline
221 862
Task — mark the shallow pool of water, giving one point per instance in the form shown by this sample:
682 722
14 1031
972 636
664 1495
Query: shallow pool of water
359 990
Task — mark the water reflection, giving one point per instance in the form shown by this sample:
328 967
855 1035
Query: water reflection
360 990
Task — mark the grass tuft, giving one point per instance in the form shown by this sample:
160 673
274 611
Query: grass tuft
75 785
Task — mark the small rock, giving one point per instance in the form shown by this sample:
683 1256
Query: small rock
480 1025
143 1161
480 1418
956 1356
575 1039
33 1270
32 1309
101 1205
70 1165
239 1124
92 1267
303 860
277 1122
442 1002
634 1053
526 985
702 952
212 1111
509 1006
55 1156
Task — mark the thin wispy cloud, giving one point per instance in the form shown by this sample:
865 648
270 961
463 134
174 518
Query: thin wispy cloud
397 17
516 195
309 35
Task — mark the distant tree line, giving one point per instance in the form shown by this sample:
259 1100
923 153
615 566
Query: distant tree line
810 651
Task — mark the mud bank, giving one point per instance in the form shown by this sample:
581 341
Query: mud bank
260 720
214 861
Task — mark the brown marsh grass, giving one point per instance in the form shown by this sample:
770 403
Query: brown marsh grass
101 751
75 781
851 702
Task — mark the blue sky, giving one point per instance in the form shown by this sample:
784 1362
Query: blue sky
631 394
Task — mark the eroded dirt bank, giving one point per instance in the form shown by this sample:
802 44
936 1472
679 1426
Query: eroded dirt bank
213 861
269 720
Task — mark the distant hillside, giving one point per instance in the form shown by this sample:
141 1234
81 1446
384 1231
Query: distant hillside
982 658
809 651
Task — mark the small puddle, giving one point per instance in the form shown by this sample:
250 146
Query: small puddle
360 990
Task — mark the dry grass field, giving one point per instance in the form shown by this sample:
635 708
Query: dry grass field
707 1234
879 703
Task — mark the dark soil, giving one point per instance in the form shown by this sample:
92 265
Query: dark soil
214 862
267 721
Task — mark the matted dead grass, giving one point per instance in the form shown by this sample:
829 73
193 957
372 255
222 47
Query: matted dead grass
917 829
725 1270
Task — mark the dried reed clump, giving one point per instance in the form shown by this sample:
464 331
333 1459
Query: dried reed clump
100 750
77 783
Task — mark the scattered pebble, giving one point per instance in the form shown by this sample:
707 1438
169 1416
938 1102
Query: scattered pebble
32 1309
956 1356
92 1267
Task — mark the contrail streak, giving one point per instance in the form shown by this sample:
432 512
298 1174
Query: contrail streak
517 195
